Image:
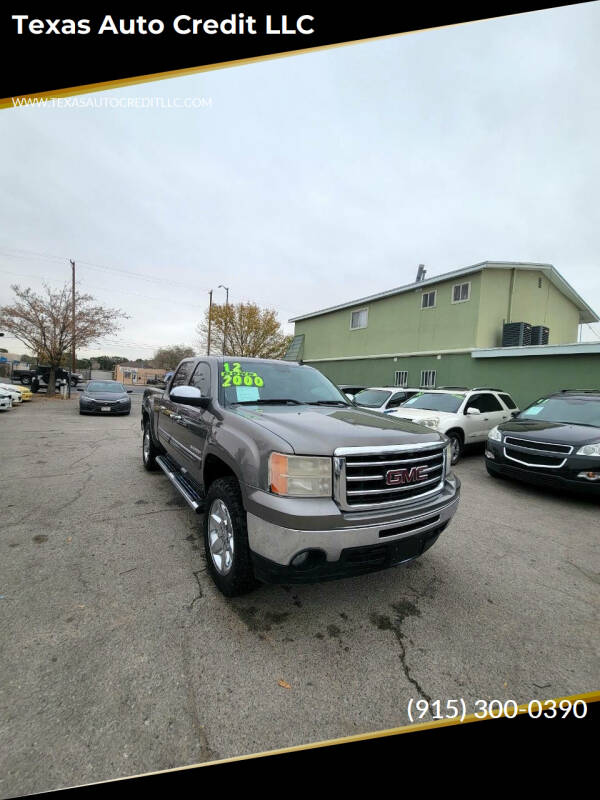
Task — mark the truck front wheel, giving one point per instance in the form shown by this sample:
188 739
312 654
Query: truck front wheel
226 539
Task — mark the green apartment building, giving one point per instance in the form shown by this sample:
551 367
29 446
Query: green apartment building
447 330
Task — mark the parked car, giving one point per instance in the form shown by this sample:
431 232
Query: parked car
38 378
297 484
5 401
464 415
350 389
13 393
383 398
554 442
105 397
13 387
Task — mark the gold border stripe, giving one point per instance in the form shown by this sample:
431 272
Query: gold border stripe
588 697
7 102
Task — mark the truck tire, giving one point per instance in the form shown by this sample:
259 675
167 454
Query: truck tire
457 445
149 451
25 380
226 539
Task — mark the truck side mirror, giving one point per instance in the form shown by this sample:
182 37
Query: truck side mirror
188 396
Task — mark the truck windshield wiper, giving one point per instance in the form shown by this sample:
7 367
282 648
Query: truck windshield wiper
326 403
264 401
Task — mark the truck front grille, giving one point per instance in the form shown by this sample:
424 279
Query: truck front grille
368 478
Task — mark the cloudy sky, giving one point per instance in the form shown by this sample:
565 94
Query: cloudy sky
308 181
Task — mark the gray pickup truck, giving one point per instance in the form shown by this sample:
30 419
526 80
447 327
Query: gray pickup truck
296 483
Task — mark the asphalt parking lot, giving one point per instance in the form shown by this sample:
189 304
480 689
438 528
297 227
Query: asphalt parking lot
119 656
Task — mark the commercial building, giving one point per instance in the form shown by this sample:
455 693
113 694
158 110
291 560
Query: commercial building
448 330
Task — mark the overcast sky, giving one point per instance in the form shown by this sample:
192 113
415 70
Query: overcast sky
315 179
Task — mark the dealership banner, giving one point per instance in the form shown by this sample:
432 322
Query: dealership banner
55 50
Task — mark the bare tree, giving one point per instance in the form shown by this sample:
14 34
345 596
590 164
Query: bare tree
247 330
43 323
169 357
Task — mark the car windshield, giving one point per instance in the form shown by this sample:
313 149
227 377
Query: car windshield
576 410
371 398
431 401
105 386
255 382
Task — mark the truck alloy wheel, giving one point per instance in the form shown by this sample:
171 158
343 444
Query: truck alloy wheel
226 538
220 536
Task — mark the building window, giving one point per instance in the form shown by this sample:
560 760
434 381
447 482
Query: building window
461 292
428 299
401 377
428 378
359 319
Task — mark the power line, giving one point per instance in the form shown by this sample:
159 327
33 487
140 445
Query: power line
18 254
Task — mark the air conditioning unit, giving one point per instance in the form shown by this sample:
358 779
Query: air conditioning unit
539 334
516 334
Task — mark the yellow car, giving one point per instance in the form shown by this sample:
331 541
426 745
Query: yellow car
26 394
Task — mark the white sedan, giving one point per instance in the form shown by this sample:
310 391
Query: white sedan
12 391
5 401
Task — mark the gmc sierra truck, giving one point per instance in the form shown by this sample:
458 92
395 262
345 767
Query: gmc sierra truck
295 483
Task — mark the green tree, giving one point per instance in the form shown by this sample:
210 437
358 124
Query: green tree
244 330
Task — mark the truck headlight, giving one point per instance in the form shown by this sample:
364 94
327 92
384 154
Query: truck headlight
495 435
300 476
448 457
589 450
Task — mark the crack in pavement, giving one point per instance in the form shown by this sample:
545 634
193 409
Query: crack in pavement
201 593
403 610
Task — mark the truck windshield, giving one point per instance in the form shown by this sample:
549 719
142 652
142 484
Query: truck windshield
258 382
436 402
573 410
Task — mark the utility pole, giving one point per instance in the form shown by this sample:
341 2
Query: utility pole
72 327
209 321
226 310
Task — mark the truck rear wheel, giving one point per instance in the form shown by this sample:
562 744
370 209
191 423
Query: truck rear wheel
25 380
149 451
226 539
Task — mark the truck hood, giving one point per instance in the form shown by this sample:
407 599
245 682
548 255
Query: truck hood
319 430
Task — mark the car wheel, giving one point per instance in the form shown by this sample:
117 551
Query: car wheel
456 446
149 451
226 539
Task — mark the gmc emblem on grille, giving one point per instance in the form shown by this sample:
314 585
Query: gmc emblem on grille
394 477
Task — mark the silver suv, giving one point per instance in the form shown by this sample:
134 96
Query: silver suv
465 415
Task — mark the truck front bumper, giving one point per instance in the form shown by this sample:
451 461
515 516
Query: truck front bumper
357 544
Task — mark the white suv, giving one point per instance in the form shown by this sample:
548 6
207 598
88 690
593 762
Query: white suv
464 415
